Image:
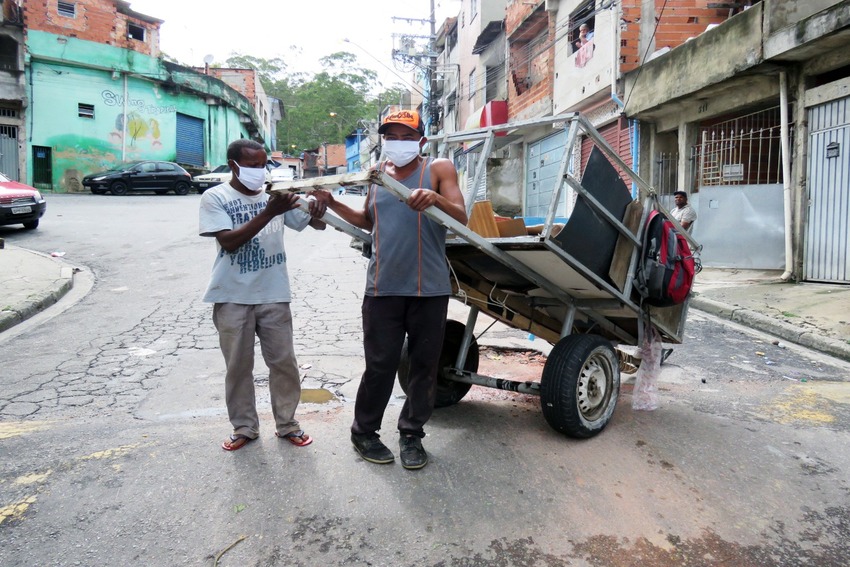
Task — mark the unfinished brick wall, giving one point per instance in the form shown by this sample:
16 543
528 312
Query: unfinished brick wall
94 20
680 20
241 80
516 11
531 64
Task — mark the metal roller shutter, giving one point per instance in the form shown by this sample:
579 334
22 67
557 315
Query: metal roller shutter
190 140
617 135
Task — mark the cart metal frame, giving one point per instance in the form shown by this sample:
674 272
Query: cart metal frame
597 303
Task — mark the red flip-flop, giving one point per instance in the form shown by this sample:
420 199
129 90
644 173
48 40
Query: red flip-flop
297 438
236 442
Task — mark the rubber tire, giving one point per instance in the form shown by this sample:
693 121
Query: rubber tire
31 225
449 392
576 364
181 188
118 188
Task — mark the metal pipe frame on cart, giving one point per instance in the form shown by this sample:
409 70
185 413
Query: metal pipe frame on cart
487 135
482 244
573 122
401 191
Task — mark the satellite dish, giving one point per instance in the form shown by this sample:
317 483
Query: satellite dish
208 58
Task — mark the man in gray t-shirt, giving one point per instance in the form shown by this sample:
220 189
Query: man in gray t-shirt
684 213
249 288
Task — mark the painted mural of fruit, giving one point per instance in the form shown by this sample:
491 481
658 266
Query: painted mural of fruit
137 127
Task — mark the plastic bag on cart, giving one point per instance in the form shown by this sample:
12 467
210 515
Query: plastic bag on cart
645 394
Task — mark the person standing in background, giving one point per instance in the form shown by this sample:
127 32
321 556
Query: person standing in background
684 213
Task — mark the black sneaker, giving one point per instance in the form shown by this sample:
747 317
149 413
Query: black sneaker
371 448
413 456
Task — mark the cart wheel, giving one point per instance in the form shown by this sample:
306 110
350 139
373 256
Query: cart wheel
580 384
449 392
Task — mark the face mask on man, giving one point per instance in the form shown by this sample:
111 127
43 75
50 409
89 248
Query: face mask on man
253 178
401 152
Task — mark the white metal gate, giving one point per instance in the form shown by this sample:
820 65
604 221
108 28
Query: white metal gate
738 193
828 223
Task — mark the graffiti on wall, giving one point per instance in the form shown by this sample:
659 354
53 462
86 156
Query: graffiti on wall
138 123
76 156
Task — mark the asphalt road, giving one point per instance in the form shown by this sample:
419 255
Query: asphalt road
112 413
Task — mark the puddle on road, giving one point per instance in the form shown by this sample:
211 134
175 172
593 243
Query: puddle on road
317 396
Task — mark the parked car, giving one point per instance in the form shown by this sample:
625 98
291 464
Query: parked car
20 204
157 176
282 173
219 175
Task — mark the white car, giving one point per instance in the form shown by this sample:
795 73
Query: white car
282 173
219 175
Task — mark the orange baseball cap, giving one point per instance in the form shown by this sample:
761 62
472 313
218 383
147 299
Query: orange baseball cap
409 118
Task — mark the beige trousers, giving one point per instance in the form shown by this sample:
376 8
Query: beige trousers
237 325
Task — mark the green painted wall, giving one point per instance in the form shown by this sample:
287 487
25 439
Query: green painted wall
60 80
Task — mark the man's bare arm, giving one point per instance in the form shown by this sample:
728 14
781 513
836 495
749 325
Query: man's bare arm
446 195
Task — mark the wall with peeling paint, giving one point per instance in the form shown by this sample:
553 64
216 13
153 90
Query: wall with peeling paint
65 73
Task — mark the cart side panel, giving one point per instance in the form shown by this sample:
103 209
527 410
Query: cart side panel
587 237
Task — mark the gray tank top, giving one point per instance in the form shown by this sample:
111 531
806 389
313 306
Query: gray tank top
408 248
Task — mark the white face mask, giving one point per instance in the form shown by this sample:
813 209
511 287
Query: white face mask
253 178
401 152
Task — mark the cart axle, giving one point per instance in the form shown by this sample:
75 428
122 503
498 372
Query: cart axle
531 388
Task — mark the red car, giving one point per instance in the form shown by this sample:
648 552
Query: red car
20 204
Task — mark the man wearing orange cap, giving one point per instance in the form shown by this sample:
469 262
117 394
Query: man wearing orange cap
407 288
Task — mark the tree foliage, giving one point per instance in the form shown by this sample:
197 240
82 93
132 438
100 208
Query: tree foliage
324 107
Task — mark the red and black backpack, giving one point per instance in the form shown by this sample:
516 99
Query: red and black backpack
666 272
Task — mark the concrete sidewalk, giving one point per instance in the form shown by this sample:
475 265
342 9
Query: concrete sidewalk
29 283
813 315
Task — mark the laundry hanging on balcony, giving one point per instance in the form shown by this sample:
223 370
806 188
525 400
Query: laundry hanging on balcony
584 53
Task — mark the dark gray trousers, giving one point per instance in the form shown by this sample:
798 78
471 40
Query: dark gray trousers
386 321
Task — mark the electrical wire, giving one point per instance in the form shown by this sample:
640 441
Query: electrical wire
566 28
645 53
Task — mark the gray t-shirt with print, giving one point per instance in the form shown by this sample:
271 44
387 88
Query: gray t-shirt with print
255 273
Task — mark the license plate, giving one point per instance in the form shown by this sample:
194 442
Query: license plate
203 184
21 210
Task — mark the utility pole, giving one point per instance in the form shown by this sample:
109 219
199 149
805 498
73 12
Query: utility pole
429 104
432 74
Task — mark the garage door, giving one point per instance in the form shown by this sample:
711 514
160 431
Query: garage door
541 174
617 134
190 140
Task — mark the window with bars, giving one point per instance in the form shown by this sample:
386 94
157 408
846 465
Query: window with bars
585 14
744 150
67 9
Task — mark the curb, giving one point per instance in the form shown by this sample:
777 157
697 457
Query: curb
790 333
21 312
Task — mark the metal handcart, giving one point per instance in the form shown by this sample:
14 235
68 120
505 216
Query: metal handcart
572 284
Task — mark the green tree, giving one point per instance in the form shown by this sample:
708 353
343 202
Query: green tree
324 107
